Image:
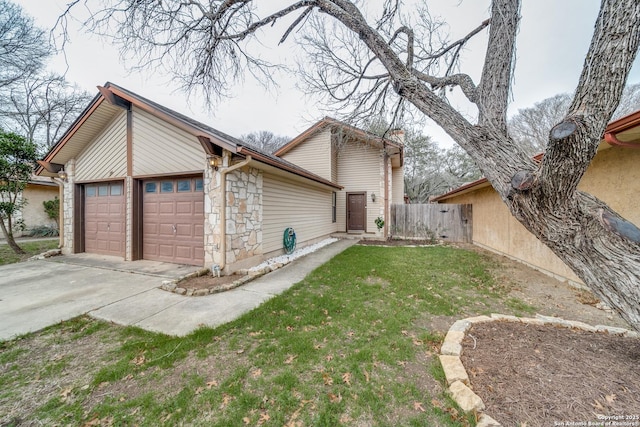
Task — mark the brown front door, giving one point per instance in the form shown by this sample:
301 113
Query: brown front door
173 220
104 218
356 211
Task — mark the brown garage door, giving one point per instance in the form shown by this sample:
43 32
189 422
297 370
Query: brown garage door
104 218
173 221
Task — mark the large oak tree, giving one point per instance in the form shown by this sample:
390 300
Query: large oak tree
371 57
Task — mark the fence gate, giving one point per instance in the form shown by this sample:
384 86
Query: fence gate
451 223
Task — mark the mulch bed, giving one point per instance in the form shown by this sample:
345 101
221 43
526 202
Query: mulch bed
529 375
207 281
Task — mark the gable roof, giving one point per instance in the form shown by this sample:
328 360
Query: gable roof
627 127
329 122
112 98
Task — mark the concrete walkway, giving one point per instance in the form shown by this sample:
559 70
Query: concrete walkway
36 294
172 314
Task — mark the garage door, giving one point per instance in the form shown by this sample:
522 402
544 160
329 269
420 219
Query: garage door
173 221
104 219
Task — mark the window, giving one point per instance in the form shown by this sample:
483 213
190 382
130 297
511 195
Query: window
198 184
184 186
116 189
91 191
334 199
103 190
150 187
166 187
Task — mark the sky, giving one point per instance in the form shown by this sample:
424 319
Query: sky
552 41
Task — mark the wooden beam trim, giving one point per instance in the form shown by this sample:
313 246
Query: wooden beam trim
50 167
173 120
129 142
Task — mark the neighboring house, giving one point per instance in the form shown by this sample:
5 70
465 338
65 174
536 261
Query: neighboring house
613 177
32 214
144 182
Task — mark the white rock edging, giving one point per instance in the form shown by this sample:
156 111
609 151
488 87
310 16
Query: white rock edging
244 276
456 374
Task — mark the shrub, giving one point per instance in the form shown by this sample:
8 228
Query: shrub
43 231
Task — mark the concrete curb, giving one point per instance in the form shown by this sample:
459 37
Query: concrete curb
456 374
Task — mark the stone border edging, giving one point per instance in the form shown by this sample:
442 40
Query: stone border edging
246 276
456 374
48 254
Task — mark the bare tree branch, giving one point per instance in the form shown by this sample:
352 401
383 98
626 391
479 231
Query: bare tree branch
498 65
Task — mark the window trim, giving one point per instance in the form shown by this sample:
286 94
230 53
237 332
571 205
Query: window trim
334 203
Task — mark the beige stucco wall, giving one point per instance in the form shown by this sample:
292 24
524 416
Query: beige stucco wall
33 213
613 177
494 228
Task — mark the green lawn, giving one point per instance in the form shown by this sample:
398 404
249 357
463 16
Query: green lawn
349 345
7 256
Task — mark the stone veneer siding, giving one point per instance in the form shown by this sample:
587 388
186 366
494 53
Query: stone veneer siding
244 214
68 203
212 209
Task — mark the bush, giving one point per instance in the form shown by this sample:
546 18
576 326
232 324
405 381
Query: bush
52 208
43 231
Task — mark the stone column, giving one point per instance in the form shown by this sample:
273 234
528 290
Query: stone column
69 192
212 207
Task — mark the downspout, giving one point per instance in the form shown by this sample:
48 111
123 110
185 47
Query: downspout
60 211
386 190
612 139
223 212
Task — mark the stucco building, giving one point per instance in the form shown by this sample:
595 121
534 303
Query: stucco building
613 177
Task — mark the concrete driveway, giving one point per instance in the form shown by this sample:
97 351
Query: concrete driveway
37 294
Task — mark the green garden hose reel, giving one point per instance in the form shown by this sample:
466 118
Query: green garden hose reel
289 240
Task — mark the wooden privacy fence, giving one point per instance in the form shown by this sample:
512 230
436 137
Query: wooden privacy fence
451 223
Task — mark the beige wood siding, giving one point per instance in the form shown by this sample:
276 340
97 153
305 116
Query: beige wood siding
313 154
161 148
334 163
106 156
293 204
359 170
397 185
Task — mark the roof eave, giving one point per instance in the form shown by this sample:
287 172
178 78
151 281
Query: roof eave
328 121
308 175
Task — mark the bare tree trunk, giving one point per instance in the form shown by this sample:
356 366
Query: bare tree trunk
600 247
8 234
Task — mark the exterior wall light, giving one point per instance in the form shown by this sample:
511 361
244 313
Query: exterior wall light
215 162
373 197
63 175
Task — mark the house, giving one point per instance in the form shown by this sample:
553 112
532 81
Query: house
361 163
613 177
32 214
141 181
